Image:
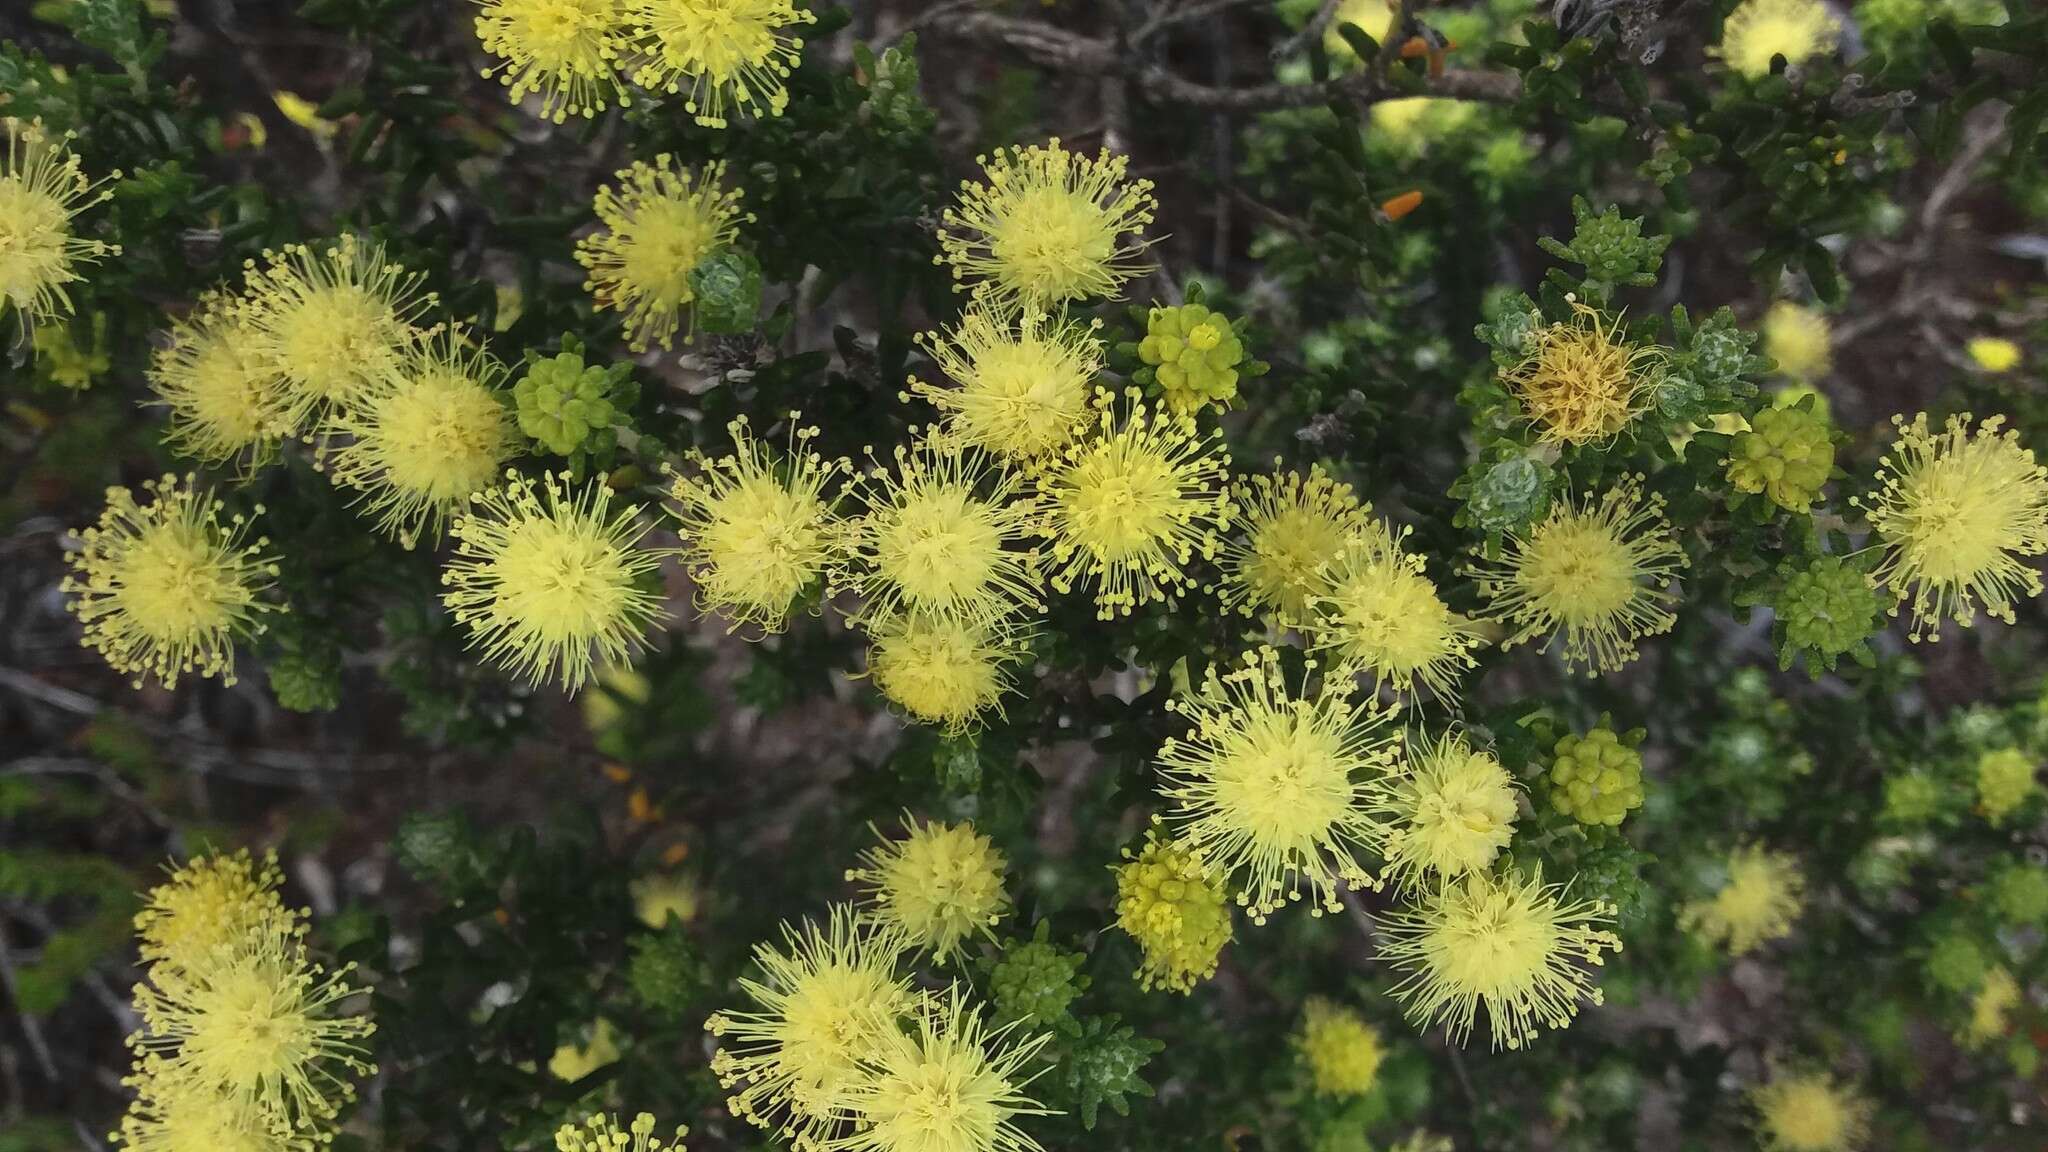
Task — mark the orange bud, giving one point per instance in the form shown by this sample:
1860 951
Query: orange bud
1402 205
617 773
675 854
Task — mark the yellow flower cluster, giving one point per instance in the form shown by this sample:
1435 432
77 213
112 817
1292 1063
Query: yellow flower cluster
660 224
43 188
1341 1051
243 1045
1757 902
936 887
1809 1112
1176 911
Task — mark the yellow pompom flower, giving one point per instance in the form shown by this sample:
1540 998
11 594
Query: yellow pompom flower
948 1085
825 1001
1413 123
935 887
719 54
1759 29
1380 616
941 668
1797 337
548 582
567 51
944 531
2005 780
1991 1008
1808 1112
1505 942
1596 574
1757 903
43 188
165 588
1450 810
207 903
1579 382
1375 18
225 401
1022 383
1272 788
173 1115
1994 354
1960 514
601 1133
257 1021
1295 527
1176 911
1341 1051
757 525
1049 225
332 323
425 439
661 221
572 1062
1131 505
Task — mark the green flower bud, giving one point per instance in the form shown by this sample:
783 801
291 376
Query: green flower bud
1911 799
1036 982
1194 353
1828 610
1510 494
561 402
2019 895
1786 455
666 974
1956 964
1597 778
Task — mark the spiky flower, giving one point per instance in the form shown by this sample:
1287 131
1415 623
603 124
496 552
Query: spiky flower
43 188
1960 514
1341 1051
661 222
1131 505
1795 335
426 438
207 903
1450 809
259 1022
1381 617
166 587
1506 942
2005 780
1756 903
1022 382
1295 527
225 401
936 887
1049 225
566 51
941 668
948 1085
1760 29
170 1114
943 531
1580 381
331 322
1194 353
1808 1112
550 582
826 999
1596 574
1175 909
1274 788
600 1132
757 524
719 54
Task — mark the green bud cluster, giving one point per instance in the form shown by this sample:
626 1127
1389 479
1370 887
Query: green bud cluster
1612 249
1828 610
1036 982
1911 799
1510 494
1597 778
666 973
562 402
2019 895
1956 963
1786 455
1194 353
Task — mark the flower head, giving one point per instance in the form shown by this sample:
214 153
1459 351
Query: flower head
1129 506
1994 354
170 1114
1380 616
662 221
1786 454
1503 941
1757 902
1760 29
567 51
1960 513
1375 18
935 887
1294 528
1796 336
757 524
661 896
719 54
332 323
825 1000
943 531
1194 353
1275 789
225 401
1341 1051
596 1048
2005 780
1596 573
1597 777
1049 225
1580 381
208 903
605 1135
1808 1112
166 588
43 188
948 1085
942 668
1450 810
1022 382
425 439
1176 911
548 581
1991 1007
